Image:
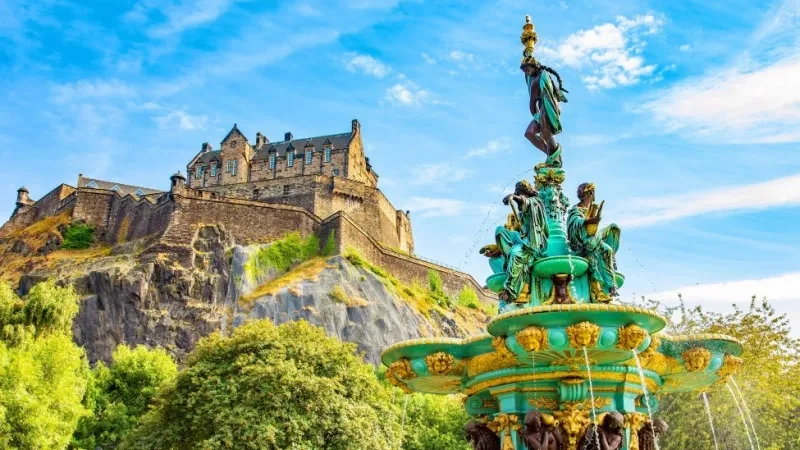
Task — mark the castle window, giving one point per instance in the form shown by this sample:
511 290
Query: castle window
290 159
272 160
213 170
327 154
286 189
308 157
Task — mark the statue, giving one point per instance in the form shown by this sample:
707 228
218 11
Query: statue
598 247
544 98
481 437
538 435
522 247
650 432
607 436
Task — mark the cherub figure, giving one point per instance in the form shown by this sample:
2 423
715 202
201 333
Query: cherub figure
480 436
607 436
650 432
538 436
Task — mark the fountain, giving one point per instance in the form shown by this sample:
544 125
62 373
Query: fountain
562 365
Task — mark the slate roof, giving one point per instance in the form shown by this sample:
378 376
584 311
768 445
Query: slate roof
123 189
339 141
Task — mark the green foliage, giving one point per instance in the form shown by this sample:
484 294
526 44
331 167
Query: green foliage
78 236
271 387
468 298
122 393
435 422
282 255
330 244
770 382
42 372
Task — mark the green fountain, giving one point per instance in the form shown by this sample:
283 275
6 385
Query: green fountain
563 364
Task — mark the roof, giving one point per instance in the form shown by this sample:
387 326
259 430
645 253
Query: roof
123 189
339 141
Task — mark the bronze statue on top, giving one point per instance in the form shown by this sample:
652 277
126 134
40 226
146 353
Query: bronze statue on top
480 436
544 97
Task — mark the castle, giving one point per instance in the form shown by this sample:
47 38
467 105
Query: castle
258 192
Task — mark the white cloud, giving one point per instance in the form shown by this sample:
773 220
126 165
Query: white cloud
427 58
751 105
182 120
366 64
611 53
407 94
492 147
87 90
769 194
180 15
441 173
427 207
776 289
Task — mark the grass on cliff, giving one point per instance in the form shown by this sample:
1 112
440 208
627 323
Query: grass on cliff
281 255
423 298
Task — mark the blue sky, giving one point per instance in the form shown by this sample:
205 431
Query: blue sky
685 115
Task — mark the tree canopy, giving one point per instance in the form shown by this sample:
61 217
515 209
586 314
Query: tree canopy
271 387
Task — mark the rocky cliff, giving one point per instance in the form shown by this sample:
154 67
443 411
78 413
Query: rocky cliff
135 297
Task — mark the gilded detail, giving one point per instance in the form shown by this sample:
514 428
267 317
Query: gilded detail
631 337
730 366
583 334
533 339
696 359
439 363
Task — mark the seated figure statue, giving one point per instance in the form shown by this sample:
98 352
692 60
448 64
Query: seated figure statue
480 436
607 436
599 247
538 436
522 248
650 432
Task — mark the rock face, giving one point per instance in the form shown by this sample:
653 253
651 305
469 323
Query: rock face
153 300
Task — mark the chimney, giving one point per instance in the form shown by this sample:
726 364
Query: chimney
261 140
356 127
288 136
206 147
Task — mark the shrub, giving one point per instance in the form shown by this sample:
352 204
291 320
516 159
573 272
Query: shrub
78 236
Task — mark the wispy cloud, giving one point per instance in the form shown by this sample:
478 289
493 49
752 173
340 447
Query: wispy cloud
440 173
181 120
737 105
494 146
428 207
355 62
777 289
658 210
407 93
611 52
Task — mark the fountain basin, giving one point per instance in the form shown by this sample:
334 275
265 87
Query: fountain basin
554 265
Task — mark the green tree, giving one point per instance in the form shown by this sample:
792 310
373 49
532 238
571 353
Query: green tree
121 394
434 422
271 387
769 381
42 372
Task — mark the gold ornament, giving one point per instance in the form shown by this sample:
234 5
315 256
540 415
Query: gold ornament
696 359
597 294
583 334
631 337
730 366
634 421
574 420
533 339
504 425
439 363
544 403
501 358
